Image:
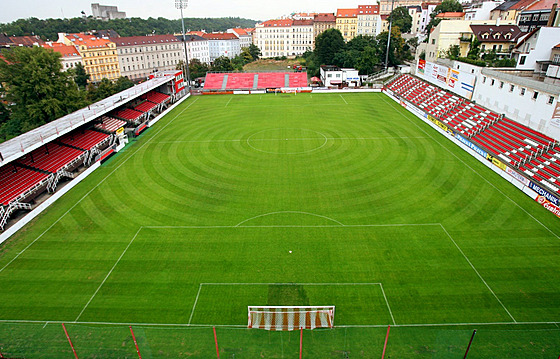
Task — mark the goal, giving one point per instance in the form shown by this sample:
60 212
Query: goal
286 318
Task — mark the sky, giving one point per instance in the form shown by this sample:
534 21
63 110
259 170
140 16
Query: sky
252 9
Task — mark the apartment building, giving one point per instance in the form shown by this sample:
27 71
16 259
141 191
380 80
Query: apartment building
347 23
69 56
302 37
99 56
274 37
139 56
244 35
197 48
223 44
369 20
323 22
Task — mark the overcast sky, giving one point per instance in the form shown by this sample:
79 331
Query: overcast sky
252 9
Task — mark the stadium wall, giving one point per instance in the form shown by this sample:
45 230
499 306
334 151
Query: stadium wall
43 206
543 197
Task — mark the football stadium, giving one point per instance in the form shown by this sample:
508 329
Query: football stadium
324 224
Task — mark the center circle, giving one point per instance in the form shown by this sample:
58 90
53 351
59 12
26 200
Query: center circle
287 141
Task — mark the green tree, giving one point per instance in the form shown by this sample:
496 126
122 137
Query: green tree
255 52
101 90
327 45
222 64
198 69
368 60
397 51
80 76
122 84
402 19
37 87
474 49
453 52
445 6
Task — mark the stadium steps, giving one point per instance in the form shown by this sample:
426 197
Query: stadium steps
287 80
224 82
256 81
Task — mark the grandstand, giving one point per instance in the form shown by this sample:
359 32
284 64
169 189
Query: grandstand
254 81
528 151
37 161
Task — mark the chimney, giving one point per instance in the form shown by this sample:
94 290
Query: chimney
552 16
498 22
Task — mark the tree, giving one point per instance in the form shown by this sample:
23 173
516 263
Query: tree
368 60
402 19
327 45
103 89
222 64
80 76
412 44
474 49
397 51
255 52
37 87
122 84
453 52
198 69
445 6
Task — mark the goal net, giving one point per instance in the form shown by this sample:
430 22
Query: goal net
286 318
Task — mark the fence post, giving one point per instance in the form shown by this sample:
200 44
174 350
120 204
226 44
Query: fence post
216 340
69 341
386 339
300 342
469 346
135 343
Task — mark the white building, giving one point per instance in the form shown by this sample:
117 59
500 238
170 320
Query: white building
274 37
537 46
197 48
523 99
421 16
139 56
245 37
480 10
69 56
106 12
303 39
369 20
223 44
333 76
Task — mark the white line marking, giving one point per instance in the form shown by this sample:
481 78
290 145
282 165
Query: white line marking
229 101
245 326
289 212
99 184
108 274
472 169
195 301
478 274
249 139
45 325
343 99
293 139
317 284
387 302
296 226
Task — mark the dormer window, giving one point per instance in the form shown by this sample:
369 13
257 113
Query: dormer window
485 35
507 36
497 35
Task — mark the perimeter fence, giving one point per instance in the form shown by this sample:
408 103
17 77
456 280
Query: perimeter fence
49 340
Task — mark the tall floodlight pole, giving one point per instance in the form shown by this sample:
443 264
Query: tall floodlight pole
182 4
389 36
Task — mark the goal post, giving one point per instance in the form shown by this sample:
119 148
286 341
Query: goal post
287 318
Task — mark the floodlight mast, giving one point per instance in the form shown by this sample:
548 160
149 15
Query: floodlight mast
389 36
182 4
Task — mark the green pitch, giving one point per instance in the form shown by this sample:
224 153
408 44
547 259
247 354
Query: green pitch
195 220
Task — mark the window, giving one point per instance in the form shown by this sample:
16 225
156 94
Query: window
501 82
511 88
522 91
521 59
535 95
556 58
550 100
491 82
483 78
433 41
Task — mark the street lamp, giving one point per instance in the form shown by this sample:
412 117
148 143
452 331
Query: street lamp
389 36
182 4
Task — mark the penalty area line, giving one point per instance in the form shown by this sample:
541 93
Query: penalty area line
342 97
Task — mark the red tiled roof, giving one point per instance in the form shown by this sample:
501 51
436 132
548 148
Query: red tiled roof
62 49
368 9
491 30
303 23
347 13
557 46
198 33
523 4
240 31
139 40
542 5
325 17
88 40
220 36
26 40
278 23
450 14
